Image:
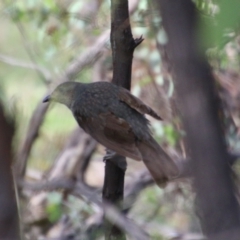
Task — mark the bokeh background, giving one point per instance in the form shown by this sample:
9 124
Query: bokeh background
40 41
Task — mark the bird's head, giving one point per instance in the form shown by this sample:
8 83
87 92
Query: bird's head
63 93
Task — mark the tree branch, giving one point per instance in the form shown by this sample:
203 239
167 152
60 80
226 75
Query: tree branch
123 45
81 190
9 225
29 51
216 202
19 63
74 158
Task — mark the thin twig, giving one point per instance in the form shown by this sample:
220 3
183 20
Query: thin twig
30 52
20 63
81 190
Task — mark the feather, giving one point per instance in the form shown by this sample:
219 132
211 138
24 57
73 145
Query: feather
158 162
112 132
116 134
136 103
115 118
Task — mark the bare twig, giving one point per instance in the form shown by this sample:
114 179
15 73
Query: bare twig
30 52
82 191
32 133
74 158
20 63
86 59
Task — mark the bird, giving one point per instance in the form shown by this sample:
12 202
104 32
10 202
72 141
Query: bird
116 119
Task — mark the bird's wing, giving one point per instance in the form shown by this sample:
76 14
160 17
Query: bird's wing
116 134
136 103
112 132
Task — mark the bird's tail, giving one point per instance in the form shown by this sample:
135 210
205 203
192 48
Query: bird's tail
159 164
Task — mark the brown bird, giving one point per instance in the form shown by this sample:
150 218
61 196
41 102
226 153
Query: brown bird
115 118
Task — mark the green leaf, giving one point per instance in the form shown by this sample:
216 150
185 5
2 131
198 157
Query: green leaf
171 134
54 209
50 4
215 29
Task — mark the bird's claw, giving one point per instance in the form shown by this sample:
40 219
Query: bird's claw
117 159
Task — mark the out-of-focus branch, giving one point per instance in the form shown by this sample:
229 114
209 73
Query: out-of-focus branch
30 51
9 226
82 191
133 188
216 202
19 63
74 158
32 133
86 59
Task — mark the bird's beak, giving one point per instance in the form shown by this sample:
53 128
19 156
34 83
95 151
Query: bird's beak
46 99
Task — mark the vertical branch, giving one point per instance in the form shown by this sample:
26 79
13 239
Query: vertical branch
123 46
9 226
122 43
32 134
216 202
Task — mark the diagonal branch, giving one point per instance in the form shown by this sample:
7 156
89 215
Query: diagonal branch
87 58
19 63
83 191
30 52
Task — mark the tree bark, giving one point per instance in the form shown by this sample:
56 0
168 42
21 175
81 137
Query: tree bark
216 203
123 46
9 225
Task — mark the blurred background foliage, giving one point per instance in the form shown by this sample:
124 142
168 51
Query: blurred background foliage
48 35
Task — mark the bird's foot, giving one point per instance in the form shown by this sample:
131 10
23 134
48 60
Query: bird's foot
109 155
117 159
